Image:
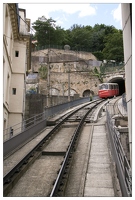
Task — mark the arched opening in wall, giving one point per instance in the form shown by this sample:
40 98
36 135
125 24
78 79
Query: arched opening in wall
72 92
87 93
121 82
54 91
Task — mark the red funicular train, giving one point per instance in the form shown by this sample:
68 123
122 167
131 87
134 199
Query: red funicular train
107 90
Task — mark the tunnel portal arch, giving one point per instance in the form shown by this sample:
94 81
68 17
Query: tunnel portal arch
121 82
87 93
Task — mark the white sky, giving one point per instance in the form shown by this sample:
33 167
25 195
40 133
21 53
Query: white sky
68 14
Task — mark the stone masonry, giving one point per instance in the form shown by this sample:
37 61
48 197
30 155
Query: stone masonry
78 72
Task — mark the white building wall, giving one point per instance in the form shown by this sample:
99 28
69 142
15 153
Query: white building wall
7 55
18 65
6 80
23 26
14 68
16 99
127 41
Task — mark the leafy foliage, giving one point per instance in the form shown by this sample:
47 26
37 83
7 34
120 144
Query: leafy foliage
43 70
98 54
98 74
105 42
114 47
47 32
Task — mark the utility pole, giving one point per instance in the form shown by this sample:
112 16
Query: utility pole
48 79
68 83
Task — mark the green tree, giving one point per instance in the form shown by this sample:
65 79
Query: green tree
80 37
98 54
99 33
47 32
114 47
105 42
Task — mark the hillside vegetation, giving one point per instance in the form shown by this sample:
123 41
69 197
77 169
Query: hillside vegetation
105 42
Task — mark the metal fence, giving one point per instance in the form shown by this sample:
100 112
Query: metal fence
37 48
112 68
50 111
22 126
122 164
19 134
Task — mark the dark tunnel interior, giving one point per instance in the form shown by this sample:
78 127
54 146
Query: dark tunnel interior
121 83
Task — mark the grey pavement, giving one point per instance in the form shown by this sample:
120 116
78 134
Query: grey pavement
99 181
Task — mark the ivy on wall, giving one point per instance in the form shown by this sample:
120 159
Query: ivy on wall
98 74
43 70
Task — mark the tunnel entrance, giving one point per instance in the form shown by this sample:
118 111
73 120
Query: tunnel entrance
121 82
87 93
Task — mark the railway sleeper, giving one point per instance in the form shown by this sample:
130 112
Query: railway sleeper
11 182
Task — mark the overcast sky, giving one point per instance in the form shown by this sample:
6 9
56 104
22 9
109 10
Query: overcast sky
79 13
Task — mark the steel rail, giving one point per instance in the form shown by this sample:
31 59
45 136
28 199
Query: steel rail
9 176
55 190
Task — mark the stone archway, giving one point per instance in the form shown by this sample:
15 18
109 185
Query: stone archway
72 92
54 91
87 93
121 82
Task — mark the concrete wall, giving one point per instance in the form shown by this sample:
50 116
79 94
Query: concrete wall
79 82
57 57
36 103
127 41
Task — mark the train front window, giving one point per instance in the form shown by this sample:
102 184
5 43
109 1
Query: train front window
103 87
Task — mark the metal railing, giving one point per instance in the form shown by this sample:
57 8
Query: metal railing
24 125
108 69
50 111
122 164
19 134
37 48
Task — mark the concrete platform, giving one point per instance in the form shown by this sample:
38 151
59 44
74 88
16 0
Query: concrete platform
99 192
99 182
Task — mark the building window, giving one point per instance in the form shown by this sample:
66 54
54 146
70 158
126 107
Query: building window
16 53
14 91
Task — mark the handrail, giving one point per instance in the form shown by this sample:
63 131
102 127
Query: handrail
122 164
28 123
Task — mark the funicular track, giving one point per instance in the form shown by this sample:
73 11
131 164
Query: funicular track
21 167
60 182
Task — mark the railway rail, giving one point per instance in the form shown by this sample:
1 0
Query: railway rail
17 171
114 103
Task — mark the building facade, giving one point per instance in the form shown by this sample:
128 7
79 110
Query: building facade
127 41
16 53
